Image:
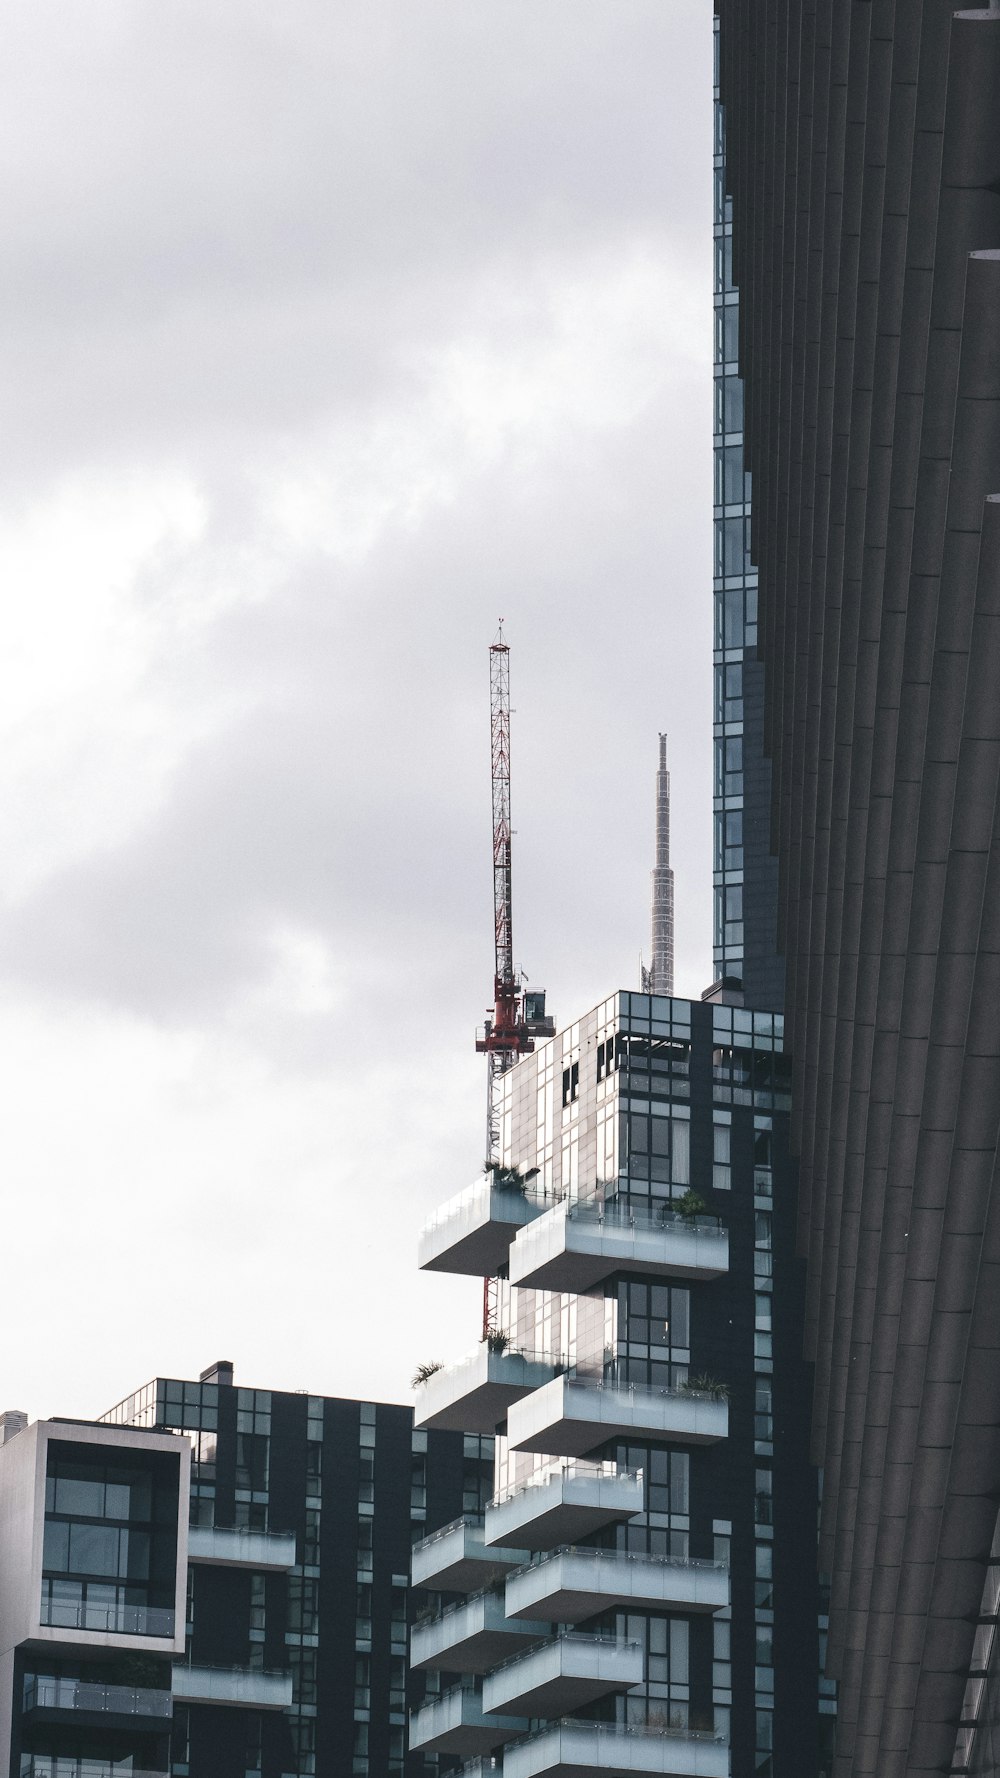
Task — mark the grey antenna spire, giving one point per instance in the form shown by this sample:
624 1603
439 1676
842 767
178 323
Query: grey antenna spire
660 975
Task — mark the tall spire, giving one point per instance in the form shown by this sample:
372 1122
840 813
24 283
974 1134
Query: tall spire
659 977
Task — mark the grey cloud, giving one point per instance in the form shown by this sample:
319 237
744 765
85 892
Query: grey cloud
350 798
236 216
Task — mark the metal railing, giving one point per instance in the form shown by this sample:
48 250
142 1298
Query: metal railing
559 1366
112 1618
587 1553
580 1469
467 1521
607 1731
645 1389
244 1672
577 1637
58 1765
470 1686
625 1216
481 1191
43 1692
471 1599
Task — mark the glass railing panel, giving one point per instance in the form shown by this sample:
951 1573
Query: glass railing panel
110 1617
43 1692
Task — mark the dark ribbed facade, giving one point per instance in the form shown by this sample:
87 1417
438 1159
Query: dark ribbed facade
863 159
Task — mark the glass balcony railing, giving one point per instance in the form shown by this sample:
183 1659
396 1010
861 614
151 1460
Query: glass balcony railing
43 1692
572 1746
569 1641
582 1469
43 1765
112 1619
572 1416
465 1522
625 1559
636 1216
248 1688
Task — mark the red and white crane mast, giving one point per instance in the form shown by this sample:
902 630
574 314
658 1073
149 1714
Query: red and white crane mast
506 1034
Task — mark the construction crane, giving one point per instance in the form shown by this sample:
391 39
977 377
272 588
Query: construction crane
514 1019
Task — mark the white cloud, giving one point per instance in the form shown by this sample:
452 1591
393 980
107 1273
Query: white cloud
329 336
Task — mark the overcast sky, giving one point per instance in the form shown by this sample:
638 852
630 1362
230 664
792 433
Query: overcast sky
330 334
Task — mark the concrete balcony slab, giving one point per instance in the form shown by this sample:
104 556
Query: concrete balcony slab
569 1417
471 1637
471 1234
564 1505
578 1749
224 1547
241 1687
570 1585
575 1246
455 1723
476 1394
563 1675
456 1559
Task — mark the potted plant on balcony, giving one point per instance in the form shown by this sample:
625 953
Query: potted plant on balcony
424 1372
706 1385
691 1205
496 1340
509 1179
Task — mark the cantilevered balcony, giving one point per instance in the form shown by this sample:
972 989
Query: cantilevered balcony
575 1246
471 1637
455 1723
54 1699
564 1674
565 1504
577 1749
569 1417
475 1395
471 1233
455 1559
573 1584
242 1687
220 1546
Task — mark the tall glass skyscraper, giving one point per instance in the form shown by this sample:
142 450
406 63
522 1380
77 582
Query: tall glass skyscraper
745 877
862 153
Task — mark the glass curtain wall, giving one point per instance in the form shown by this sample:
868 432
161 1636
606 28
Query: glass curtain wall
735 628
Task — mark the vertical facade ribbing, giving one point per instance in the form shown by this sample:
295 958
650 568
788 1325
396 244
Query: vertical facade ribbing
863 147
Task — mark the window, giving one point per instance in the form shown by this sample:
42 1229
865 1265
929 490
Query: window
304 1742
365 1552
722 1176
729 840
366 1476
310 1542
251 1461
763 1422
732 547
764 1571
362 1682
763 1483
397 1683
571 1084
303 1605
